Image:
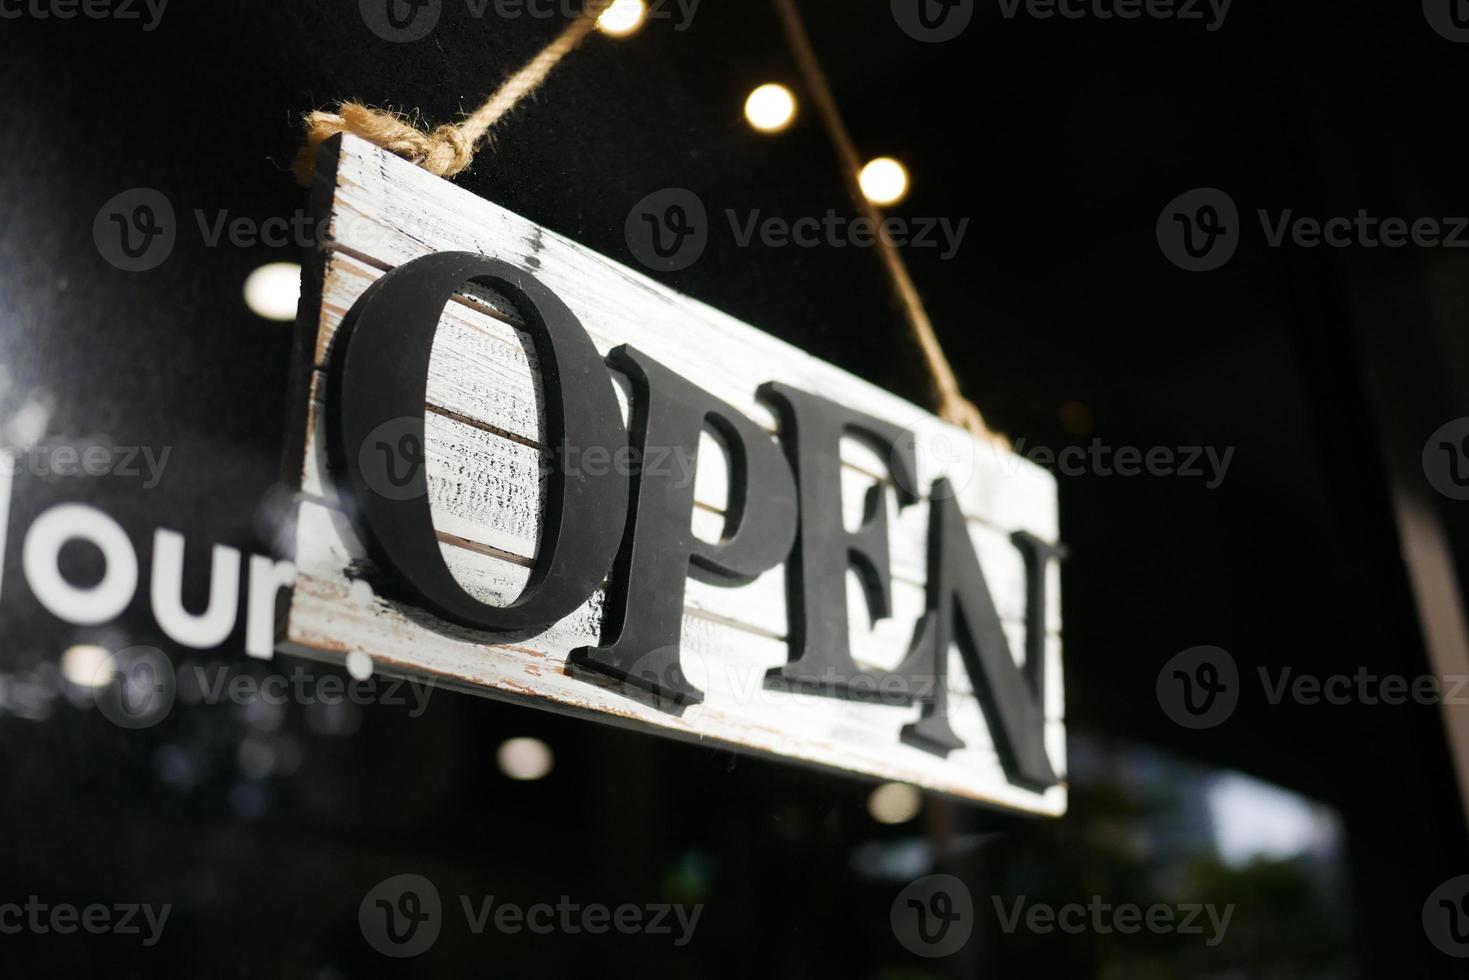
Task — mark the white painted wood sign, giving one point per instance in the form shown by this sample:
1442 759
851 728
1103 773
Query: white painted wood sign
485 453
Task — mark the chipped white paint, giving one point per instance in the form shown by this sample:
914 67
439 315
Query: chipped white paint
483 429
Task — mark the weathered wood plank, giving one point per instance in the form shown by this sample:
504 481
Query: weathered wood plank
484 373
484 450
617 305
823 731
498 581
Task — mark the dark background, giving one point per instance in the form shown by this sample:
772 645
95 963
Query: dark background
1061 142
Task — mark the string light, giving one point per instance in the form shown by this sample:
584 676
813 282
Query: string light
770 108
884 181
894 803
622 18
273 290
87 665
525 758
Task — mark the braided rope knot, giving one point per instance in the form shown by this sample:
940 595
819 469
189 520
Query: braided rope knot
447 150
444 151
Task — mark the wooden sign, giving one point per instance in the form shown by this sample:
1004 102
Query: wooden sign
532 473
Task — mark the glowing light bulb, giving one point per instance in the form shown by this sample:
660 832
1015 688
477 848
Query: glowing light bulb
622 18
273 290
87 665
884 181
524 758
894 803
770 108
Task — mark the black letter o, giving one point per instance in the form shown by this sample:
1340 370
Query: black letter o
379 373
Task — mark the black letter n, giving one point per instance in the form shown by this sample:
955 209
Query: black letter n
961 610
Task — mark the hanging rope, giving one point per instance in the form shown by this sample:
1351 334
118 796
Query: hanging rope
447 150
952 405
